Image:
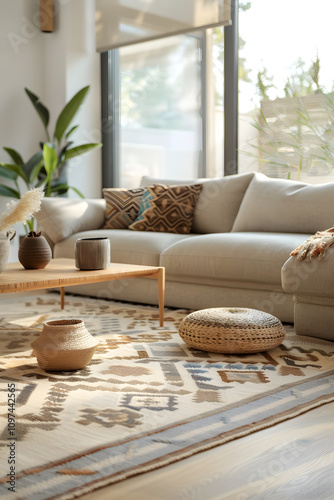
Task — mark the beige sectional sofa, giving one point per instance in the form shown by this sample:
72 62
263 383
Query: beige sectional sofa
244 228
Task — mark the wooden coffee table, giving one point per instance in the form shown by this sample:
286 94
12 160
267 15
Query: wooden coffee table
62 272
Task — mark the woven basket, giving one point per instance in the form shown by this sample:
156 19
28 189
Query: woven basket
64 344
231 330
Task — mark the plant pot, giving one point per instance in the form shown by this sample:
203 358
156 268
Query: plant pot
4 249
34 251
92 253
64 344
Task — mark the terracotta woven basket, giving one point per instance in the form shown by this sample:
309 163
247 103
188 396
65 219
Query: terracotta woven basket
64 344
231 330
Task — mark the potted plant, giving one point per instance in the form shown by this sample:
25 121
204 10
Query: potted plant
45 167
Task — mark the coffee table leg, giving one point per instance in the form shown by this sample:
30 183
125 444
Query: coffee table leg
62 297
161 285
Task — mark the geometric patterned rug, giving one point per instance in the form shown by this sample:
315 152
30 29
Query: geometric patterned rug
144 401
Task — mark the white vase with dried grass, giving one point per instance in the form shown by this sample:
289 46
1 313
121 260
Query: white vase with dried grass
16 212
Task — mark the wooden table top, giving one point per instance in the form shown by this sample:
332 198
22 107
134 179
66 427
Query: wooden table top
62 272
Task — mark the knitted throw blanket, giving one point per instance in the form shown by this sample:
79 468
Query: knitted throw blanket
315 246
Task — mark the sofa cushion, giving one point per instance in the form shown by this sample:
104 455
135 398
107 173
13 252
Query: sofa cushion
122 206
167 209
281 205
236 257
218 203
61 217
129 247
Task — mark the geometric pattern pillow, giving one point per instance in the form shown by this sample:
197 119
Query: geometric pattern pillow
168 209
122 206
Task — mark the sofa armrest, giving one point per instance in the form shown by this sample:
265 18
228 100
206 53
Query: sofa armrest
309 277
59 218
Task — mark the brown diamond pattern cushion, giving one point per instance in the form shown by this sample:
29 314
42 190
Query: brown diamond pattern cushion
168 209
122 206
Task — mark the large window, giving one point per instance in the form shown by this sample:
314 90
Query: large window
172 108
286 100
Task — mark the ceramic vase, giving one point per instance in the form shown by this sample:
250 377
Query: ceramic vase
92 253
64 345
4 248
34 251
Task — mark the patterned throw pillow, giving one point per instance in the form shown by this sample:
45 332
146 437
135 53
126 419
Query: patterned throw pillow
122 206
168 209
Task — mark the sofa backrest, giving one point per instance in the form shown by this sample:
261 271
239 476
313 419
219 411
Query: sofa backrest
218 203
59 217
285 206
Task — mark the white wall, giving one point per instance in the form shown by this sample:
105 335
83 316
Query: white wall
21 56
54 66
71 63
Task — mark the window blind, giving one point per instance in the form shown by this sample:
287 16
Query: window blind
123 22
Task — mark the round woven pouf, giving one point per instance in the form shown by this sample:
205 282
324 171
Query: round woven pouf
231 330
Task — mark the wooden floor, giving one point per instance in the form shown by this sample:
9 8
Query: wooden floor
293 460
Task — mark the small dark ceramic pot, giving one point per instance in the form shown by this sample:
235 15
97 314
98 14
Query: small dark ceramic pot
34 251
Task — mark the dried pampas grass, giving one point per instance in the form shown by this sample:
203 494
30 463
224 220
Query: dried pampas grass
22 210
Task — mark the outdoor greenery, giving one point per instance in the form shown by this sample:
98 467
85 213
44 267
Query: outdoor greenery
150 97
302 81
295 133
45 167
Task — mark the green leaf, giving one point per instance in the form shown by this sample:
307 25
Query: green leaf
79 150
68 113
60 189
32 162
276 163
35 171
17 170
7 191
77 191
71 131
257 126
50 159
15 156
30 224
61 157
63 188
7 173
40 108
264 118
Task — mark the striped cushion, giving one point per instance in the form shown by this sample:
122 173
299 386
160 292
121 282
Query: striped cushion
167 209
122 206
